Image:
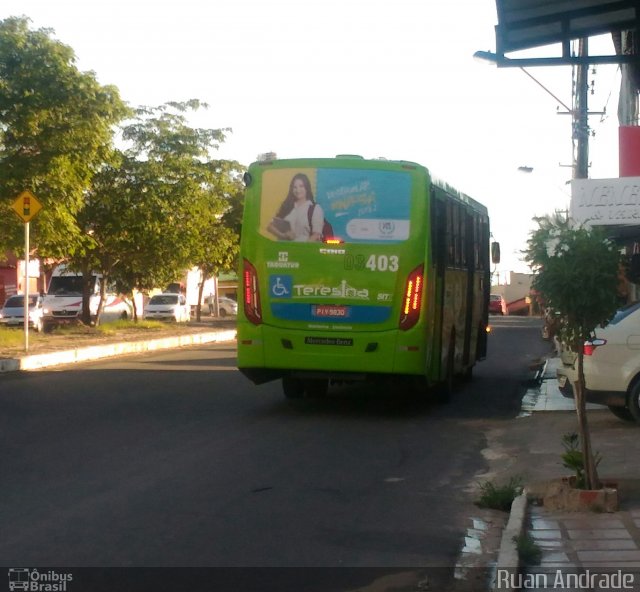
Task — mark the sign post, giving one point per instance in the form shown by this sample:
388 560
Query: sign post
26 206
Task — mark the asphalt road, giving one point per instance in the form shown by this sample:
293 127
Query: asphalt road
175 459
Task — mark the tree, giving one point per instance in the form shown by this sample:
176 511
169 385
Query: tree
145 211
218 244
56 128
576 270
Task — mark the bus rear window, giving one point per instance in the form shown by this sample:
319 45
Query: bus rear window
348 205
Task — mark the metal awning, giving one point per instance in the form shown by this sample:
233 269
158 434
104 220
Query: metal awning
524 24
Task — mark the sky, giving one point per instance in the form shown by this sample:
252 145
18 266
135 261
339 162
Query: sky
316 78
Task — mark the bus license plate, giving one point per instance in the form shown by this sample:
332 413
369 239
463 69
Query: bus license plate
330 311
328 341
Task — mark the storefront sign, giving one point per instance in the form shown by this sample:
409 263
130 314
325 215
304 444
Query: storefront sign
606 202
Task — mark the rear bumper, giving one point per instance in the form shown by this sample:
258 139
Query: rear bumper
266 353
16 322
608 398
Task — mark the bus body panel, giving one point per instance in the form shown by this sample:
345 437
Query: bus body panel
336 309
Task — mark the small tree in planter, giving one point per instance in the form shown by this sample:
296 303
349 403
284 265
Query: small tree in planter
576 271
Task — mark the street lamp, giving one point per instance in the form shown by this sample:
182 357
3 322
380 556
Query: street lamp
579 115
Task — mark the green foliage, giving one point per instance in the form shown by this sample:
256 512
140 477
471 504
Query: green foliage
55 131
499 497
573 458
154 208
576 270
141 215
528 550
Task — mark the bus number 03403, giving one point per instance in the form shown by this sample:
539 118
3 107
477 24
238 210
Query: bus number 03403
373 263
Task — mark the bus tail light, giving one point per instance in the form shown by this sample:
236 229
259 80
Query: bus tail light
251 293
412 299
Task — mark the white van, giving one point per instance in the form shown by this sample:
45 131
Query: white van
63 301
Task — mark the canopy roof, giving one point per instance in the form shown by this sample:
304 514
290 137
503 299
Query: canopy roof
524 24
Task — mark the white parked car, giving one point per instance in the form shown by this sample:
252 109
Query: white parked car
227 306
611 365
168 307
12 313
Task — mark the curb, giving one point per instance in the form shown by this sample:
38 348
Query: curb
95 352
508 564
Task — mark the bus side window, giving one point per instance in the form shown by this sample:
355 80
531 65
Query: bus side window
484 250
464 236
456 236
451 241
439 244
476 242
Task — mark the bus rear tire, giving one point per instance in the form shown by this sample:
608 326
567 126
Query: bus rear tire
316 387
445 389
293 388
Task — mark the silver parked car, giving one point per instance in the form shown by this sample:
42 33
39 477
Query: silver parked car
12 313
227 306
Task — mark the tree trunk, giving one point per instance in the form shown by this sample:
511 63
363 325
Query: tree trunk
203 277
87 292
135 307
103 295
590 469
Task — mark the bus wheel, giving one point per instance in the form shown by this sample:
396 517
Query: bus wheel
293 388
316 387
445 388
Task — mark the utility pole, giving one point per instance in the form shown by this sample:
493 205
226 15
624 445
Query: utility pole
628 102
581 116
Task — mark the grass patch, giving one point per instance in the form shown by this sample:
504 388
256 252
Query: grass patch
499 497
109 328
528 551
12 337
126 325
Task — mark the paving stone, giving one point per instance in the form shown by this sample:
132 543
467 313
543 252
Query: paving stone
544 524
549 544
607 545
614 533
617 555
546 534
592 523
554 557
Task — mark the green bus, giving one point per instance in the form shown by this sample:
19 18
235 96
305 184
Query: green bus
355 269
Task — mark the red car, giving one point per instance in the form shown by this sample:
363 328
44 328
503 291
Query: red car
497 304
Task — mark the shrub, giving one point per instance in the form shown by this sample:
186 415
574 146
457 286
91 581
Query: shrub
499 497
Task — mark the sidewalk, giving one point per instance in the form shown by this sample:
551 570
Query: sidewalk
579 550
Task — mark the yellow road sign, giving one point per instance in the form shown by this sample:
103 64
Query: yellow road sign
26 206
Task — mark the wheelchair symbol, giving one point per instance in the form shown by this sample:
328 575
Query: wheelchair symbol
280 286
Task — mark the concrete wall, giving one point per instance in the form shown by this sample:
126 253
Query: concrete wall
518 286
